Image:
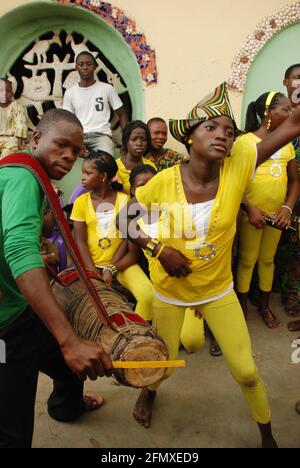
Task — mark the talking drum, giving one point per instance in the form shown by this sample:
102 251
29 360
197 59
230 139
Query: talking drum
129 339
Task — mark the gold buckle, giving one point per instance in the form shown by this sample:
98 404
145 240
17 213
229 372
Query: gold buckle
275 170
104 243
205 251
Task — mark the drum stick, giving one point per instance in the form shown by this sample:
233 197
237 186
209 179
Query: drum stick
146 364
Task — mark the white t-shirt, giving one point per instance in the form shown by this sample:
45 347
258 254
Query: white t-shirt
92 105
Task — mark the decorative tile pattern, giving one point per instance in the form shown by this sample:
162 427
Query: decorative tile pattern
263 33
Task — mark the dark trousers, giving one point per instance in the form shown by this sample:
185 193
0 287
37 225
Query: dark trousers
30 348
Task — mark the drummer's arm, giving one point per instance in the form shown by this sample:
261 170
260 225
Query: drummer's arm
21 224
80 236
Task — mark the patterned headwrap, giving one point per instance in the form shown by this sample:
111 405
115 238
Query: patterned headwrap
216 104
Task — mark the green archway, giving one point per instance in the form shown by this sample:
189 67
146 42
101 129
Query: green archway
27 23
268 68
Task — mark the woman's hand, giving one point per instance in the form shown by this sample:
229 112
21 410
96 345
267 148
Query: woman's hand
256 217
175 263
283 218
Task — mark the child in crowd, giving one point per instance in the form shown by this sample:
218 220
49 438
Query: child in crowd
272 194
100 243
13 127
136 141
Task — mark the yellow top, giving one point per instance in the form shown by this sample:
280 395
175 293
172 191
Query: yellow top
211 263
268 189
124 174
102 245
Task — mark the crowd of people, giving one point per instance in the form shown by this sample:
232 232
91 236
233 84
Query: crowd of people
156 223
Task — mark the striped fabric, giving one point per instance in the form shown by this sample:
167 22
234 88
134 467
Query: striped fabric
215 104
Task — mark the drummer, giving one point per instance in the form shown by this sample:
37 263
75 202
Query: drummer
37 335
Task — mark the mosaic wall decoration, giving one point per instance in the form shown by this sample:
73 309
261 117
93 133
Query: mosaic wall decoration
47 68
263 33
145 56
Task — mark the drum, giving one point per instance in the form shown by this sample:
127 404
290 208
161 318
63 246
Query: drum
129 339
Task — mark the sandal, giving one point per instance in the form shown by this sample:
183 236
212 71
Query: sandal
214 349
269 318
294 325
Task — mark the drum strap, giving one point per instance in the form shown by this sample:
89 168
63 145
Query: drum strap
32 165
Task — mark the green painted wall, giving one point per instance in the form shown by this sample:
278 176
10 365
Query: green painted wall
26 23
269 66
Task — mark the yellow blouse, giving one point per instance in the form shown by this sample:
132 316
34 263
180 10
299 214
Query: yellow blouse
211 257
268 189
102 245
124 174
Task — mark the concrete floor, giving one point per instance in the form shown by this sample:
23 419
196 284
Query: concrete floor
199 406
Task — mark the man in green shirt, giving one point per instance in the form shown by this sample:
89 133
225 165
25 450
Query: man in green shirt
36 333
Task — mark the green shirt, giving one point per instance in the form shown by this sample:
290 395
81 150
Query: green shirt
22 206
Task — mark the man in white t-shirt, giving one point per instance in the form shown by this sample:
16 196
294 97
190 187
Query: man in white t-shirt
91 101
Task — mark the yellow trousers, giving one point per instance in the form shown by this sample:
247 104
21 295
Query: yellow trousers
135 280
226 321
192 332
256 245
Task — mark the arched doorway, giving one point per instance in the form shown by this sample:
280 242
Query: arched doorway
23 26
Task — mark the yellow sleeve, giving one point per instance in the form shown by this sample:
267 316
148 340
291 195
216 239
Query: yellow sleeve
79 208
292 154
243 158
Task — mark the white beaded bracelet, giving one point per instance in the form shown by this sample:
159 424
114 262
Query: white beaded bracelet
286 206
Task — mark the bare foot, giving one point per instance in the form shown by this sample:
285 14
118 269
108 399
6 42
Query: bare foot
92 401
143 408
269 443
267 439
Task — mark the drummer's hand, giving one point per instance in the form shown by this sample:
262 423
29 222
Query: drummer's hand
107 277
86 359
174 262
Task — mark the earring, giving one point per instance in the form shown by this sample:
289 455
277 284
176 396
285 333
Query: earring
269 124
190 141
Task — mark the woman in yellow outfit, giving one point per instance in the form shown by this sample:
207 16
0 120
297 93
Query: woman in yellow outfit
136 141
100 243
192 333
272 193
192 265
